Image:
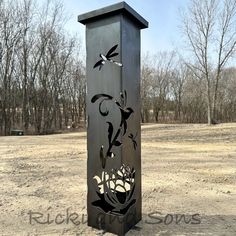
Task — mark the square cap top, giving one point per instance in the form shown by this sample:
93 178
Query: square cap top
112 10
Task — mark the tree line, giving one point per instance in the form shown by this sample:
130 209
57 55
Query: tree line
172 93
42 79
199 85
42 72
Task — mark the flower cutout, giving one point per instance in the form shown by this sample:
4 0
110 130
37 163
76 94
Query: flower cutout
115 189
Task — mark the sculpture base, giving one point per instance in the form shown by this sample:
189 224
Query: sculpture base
114 223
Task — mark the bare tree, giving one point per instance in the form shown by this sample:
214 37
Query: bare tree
209 27
163 71
177 82
38 60
9 40
146 85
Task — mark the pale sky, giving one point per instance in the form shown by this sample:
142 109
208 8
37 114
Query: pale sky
163 17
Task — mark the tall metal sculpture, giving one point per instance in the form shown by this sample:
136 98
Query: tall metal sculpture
113 112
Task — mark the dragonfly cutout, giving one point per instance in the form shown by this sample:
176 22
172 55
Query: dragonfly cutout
104 58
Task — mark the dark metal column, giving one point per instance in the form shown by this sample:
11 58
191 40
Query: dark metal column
113 111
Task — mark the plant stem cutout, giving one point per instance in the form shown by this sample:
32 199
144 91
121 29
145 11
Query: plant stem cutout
107 57
113 136
133 139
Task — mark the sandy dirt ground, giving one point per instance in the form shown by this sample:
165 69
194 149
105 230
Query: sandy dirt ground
188 179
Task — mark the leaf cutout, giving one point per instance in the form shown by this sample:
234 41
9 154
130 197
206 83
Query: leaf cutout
103 113
117 103
113 54
99 63
111 50
111 200
131 193
102 158
111 154
125 97
125 127
133 173
97 96
110 131
131 136
117 143
99 194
